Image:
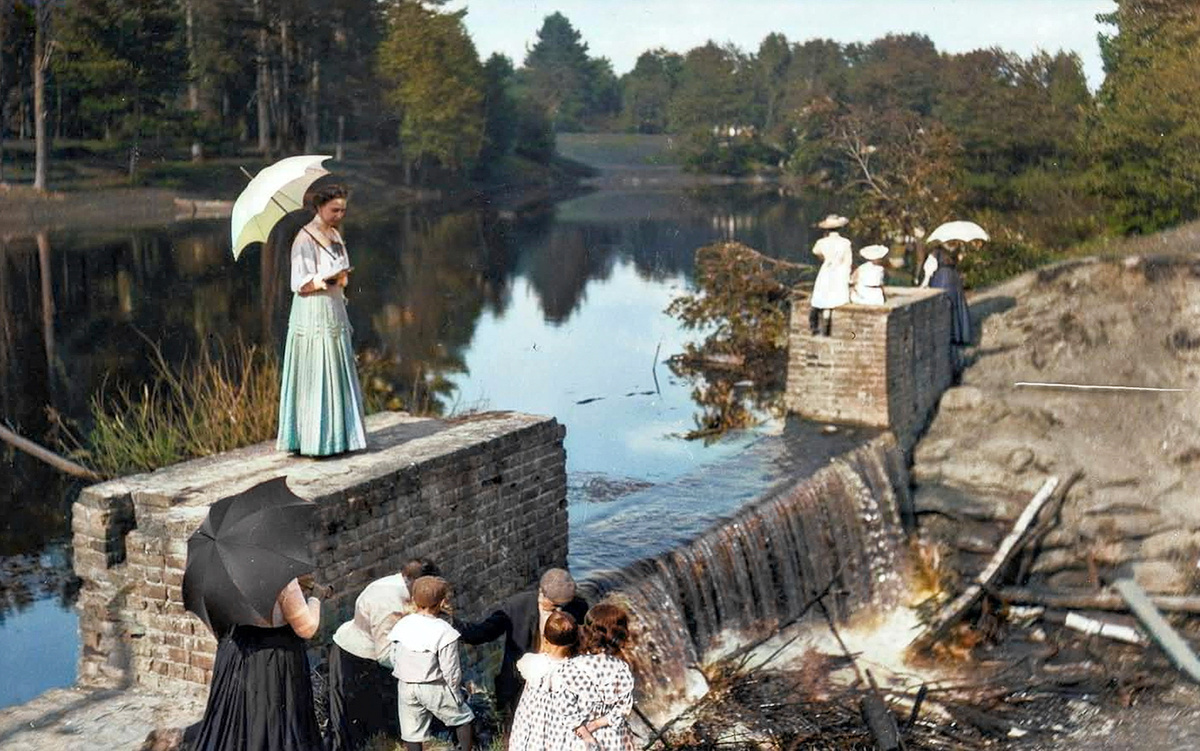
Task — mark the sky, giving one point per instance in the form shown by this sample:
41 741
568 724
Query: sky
622 29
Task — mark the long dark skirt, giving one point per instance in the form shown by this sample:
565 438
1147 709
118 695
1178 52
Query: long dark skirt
261 694
948 278
362 701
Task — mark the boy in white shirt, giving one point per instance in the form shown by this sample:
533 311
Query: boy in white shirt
426 660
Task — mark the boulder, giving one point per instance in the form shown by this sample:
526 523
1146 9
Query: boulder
1159 577
1172 544
962 398
163 739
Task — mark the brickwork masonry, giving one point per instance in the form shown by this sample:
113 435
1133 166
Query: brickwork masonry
883 365
483 496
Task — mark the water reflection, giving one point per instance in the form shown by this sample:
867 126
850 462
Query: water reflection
557 313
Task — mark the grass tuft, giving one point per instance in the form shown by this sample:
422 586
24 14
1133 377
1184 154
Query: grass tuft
218 401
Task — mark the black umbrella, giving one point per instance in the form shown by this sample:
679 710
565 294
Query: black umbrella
248 548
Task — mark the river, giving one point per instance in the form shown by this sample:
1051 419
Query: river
556 310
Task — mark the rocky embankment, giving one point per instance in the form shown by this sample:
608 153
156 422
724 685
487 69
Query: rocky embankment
1127 321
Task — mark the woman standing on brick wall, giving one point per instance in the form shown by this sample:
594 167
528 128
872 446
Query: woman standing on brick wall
320 401
832 287
947 278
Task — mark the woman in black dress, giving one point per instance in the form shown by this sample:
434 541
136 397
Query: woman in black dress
261 696
946 277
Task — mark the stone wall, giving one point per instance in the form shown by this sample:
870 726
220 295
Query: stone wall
483 496
883 365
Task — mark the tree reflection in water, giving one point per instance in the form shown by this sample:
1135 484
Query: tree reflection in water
424 278
743 302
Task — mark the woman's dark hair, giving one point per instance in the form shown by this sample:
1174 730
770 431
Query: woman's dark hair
326 193
562 631
605 631
418 567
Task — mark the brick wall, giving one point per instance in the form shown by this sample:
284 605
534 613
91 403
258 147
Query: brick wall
883 365
484 497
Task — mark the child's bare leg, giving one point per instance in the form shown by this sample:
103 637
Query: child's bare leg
466 737
410 746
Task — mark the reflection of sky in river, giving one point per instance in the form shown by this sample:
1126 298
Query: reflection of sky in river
546 311
604 353
41 646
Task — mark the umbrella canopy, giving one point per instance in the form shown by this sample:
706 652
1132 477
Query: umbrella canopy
249 547
271 194
960 230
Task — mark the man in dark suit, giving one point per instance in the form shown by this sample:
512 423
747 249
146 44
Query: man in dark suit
521 619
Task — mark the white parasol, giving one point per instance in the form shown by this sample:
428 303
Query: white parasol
258 207
960 230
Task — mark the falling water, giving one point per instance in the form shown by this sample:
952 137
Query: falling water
837 529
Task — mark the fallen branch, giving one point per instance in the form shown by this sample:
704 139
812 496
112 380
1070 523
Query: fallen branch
916 708
44 454
743 653
1171 642
1046 522
1009 548
872 707
1108 630
879 718
748 648
1090 600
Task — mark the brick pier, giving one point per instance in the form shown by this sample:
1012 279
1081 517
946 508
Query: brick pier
483 496
883 366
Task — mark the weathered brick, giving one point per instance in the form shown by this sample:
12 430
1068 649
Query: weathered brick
467 496
883 366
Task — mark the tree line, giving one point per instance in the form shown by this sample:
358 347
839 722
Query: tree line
909 132
215 77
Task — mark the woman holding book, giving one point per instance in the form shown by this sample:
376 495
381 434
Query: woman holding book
320 400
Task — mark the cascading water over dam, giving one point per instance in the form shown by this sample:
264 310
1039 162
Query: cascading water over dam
757 570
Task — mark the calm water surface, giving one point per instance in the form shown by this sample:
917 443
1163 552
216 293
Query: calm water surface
559 312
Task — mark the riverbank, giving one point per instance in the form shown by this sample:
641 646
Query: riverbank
87 192
1125 318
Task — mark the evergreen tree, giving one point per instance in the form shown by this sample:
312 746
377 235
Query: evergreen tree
713 90
1146 134
500 110
125 62
559 76
771 74
647 91
896 71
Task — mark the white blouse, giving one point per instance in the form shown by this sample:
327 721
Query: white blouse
832 287
312 261
868 285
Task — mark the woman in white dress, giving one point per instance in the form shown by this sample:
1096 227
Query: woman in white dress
867 280
320 400
832 287
537 725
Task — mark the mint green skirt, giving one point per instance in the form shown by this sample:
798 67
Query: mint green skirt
320 399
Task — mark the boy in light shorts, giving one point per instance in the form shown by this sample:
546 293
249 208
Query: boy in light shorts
426 660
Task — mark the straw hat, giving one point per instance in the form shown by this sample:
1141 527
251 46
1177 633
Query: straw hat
833 221
874 252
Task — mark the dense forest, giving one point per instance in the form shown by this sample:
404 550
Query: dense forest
909 134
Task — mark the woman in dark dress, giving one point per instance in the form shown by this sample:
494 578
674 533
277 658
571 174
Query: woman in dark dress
261 696
946 277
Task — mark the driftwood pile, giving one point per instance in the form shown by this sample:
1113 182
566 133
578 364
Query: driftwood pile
1034 657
